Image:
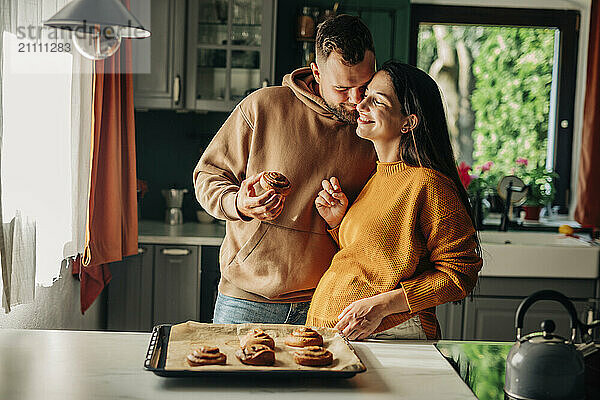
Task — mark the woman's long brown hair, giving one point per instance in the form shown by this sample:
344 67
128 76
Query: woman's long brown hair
431 148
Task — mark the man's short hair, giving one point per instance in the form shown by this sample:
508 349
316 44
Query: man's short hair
346 35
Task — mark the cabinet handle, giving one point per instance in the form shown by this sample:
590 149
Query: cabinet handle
176 89
175 252
141 250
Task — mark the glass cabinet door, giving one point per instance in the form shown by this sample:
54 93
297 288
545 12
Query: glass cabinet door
231 54
212 21
211 74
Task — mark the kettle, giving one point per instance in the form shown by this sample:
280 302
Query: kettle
542 365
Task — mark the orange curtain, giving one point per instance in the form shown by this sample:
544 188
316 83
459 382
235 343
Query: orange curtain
588 202
112 220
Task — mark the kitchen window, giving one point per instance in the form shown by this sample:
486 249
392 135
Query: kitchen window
36 153
508 78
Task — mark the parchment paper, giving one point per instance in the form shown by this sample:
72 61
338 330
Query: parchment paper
189 335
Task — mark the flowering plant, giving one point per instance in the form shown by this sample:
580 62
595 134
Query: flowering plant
142 188
540 181
475 184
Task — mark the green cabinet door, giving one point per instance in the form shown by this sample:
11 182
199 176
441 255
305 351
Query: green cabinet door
388 21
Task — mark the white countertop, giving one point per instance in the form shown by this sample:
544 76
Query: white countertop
190 233
69 365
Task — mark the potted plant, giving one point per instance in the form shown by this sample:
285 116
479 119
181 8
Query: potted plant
541 187
477 186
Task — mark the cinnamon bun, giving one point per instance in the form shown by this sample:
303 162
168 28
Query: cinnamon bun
313 356
276 181
206 355
256 354
304 336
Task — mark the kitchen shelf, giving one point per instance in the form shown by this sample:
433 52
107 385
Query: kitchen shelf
225 24
222 87
232 69
228 47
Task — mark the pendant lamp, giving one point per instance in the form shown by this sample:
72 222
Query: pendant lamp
97 26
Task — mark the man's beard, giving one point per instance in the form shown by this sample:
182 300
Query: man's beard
343 113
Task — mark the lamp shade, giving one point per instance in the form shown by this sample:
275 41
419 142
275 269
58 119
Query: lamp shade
102 13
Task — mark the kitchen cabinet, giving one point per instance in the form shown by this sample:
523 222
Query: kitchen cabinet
161 57
494 318
176 284
205 55
130 292
229 51
450 318
164 283
388 21
491 313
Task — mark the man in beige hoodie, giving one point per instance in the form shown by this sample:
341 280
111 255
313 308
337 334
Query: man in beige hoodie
277 248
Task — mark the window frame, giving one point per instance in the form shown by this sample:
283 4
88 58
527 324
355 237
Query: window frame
568 23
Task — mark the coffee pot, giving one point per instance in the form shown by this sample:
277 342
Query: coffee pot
174 201
543 365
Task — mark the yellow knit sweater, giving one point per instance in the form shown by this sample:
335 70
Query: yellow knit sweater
409 229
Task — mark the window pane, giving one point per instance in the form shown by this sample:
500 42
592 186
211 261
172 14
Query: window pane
497 83
36 150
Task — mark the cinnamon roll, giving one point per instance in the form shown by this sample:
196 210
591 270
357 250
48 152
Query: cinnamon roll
206 355
276 181
313 356
304 336
256 354
257 336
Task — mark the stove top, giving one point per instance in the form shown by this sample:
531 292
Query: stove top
481 365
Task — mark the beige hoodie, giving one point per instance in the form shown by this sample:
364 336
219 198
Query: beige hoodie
287 129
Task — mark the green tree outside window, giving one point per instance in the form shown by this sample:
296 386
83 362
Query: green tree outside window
496 82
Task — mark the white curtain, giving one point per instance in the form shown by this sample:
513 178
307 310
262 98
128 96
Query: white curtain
45 133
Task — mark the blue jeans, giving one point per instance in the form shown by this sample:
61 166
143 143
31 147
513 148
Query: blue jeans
229 310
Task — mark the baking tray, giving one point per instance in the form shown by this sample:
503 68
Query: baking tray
156 357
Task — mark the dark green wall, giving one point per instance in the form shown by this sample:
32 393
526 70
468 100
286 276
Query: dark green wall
169 145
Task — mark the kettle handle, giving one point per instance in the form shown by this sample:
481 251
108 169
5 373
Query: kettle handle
546 295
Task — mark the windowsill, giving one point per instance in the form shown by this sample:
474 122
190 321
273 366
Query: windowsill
545 224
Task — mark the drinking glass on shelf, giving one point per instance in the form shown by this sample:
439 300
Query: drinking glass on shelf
207 12
256 13
241 12
222 9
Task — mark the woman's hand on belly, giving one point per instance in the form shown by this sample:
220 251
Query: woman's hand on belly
362 317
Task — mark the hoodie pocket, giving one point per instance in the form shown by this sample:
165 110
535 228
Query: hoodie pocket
278 262
251 244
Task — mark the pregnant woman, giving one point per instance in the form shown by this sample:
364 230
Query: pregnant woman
407 244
